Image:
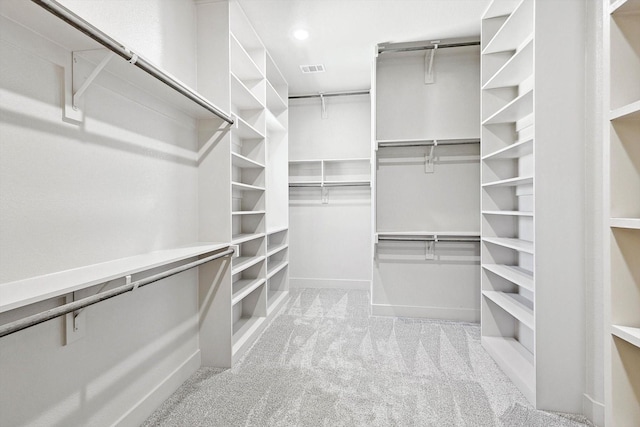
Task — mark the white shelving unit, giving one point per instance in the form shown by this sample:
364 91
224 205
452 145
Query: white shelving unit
330 172
425 179
622 204
532 318
253 153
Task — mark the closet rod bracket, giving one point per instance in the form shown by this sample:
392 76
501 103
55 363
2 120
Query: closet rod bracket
429 56
429 158
79 87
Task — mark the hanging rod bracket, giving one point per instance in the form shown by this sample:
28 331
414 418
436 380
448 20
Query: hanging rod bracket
430 250
75 322
323 106
429 158
324 195
79 85
429 56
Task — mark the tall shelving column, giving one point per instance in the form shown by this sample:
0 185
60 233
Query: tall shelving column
532 197
242 169
622 172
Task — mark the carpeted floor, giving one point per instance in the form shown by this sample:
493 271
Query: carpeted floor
325 362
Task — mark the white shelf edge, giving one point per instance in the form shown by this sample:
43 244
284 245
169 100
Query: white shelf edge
508 213
499 35
247 237
627 333
516 57
624 6
248 212
515 361
630 223
250 286
511 243
245 159
243 329
277 249
273 124
496 118
510 182
23 292
629 111
516 275
248 57
489 13
277 230
515 305
243 187
252 129
516 146
273 302
244 263
428 233
259 105
277 268
283 105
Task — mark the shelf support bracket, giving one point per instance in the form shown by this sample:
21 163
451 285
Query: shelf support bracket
428 63
430 250
75 322
323 105
77 93
325 195
429 158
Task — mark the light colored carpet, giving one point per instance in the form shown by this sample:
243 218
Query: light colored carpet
325 362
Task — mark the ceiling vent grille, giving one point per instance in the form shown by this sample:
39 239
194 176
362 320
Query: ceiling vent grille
308 69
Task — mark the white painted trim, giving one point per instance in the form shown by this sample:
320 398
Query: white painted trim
301 283
149 403
460 314
593 410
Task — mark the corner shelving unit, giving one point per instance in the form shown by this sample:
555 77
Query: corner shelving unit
532 315
253 154
622 204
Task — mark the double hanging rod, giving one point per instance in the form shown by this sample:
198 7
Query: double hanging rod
71 307
80 24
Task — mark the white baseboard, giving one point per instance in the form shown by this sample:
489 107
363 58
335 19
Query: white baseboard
149 403
593 410
458 314
297 283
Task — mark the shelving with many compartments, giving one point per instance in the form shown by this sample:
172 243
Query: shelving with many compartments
246 164
532 197
622 198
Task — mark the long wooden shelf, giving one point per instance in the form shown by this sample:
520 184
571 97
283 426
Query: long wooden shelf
499 8
625 6
516 275
273 124
515 360
243 287
244 162
275 249
248 213
510 243
631 223
510 182
245 130
245 187
515 30
246 237
242 97
627 112
275 299
517 109
516 70
239 264
515 304
244 329
275 104
513 151
28 291
508 213
273 269
242 65
627 333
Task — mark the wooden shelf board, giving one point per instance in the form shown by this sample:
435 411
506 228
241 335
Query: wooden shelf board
500 8
632 223
517 28
515 304
244 162
277 230
248 212
511 182
625 6
241 64
514 274
247 237
516 361
513 151
275 300
244 329
272 270
275 104
511 243
305 184
239 264
276 249
516 70
627 333
627 112
28 291
242 97
245 187
273 124
245 131
508 213
243 287
517 109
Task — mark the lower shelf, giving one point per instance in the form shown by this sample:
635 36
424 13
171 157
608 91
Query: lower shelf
627 333
512 273
275 300
272 269
244 331
515 304
244 287
516 361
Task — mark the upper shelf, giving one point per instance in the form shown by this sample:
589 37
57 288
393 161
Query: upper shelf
28 291
516 70
625 6
515 30
519 108
628 112
500 8
72 35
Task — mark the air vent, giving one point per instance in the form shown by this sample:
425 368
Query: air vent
306 69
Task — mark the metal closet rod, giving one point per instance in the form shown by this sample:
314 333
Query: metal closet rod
330 94
427 142
80 24
44 316
389 49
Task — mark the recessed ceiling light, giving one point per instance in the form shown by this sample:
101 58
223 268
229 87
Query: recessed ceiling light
301 34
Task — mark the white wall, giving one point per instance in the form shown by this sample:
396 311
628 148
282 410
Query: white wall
122 183
330 244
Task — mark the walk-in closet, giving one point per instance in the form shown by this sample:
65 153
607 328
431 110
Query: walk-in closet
320 213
